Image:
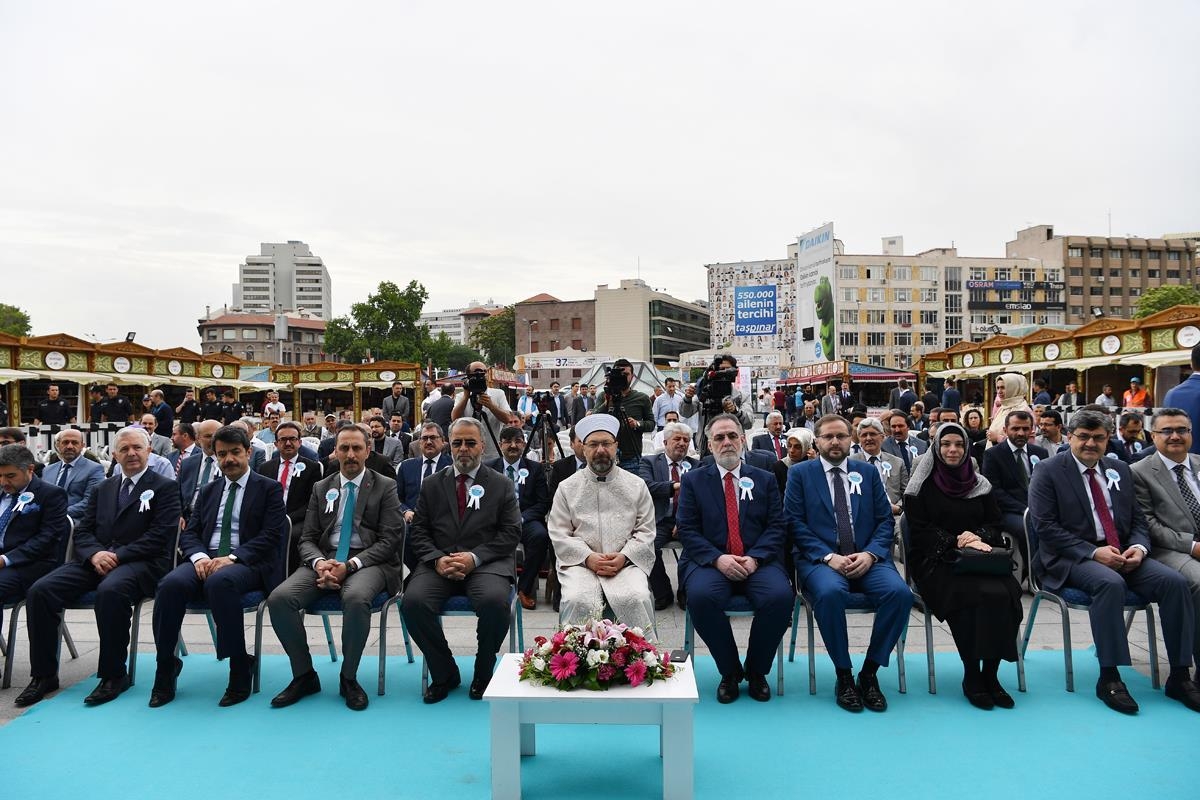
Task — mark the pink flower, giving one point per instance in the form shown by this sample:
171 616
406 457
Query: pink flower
558 639
620 657
563 665
606 672
636 672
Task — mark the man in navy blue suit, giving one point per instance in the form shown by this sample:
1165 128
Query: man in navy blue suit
731 525
842 524
1092 536
773 440
232 546
33 520
662 473
1187 395
1008 467
533 496
74 473
122 548
196 472
414 471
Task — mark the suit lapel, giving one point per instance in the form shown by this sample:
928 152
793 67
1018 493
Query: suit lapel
447 479
855 497
822 480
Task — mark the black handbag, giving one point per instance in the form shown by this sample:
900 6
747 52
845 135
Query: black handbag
969 561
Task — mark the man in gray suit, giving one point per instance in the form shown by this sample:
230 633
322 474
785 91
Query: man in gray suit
891 468
464 535
350 545
900 443
73 472
158 444
1168 490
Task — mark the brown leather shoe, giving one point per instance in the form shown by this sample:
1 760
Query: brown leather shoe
528 603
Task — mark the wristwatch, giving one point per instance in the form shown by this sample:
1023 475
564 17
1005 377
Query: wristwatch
827 558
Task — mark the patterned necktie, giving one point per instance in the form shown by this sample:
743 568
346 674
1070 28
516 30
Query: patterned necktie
462 495
734 542
841 513
126 493
62 475
7 515
225 545
284 474
1189 497
1022 467
178 464
343 548
1106 520
778 447
428 469
674 495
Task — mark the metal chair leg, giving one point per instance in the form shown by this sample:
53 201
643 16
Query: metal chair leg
382 649
135 627
1068 661
812 652
66 637
689 642
10 650
1153 642
258 651
212 628
900 660
779 669
929 651
1020 668
795 627
404 632
329 638
181 646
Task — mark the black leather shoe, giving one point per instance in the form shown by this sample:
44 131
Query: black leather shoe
663 603
1000 698
872 697
478 687
356 698
728 689
437 692
760 689
1116 696
977 694
37 689
1185 691
681 599
298 689
108 690
847 694
163 691
241 681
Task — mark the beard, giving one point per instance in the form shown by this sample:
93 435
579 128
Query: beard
728 461
601 464
467 463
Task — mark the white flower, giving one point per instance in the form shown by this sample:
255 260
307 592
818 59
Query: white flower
651 658
618 642
539 664
545 649
593 658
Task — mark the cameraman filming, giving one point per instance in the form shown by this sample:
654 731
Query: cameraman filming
715 395
633 411
483 402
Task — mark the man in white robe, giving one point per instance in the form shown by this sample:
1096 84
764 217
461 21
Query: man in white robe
602 529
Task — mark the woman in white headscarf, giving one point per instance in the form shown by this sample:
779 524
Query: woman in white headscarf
1012 393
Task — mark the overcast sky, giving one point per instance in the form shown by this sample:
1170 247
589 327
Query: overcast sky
501 149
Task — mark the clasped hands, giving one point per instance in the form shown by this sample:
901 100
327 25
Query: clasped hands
972 540
852 566
104 562
736 568
456 566
207 566
605 565
1113 558
331 574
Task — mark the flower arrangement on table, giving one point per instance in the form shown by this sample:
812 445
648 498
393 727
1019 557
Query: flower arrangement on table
595 655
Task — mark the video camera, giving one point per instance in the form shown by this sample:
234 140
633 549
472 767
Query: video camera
545 403
476 383
615 382
717 385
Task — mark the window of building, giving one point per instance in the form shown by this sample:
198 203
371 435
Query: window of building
978 274
1096 273
1027 274
954 279
875 338
1135 291
902 295
1075 272
876 317
1004 319
929 318
228 333
1135 274
929 295
954 326
577 344
848 316
1115 291
1026 295
849 295
978 295
902 339
1076 311
1095 290
1155 255
1028 319
848 272
1135 255
929 273
874 295
576 323
212 334
1003 274
554 324
533 346
876 361
929 340
1076 291
903 317
902 273
1114 255
1074 252
848 339
1096 252
1173 255
1172 274
1116 272
1152 273
1053 274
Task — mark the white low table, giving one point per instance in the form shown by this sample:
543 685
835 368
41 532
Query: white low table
516 706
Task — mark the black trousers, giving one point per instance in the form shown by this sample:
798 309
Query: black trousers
427 592
222 592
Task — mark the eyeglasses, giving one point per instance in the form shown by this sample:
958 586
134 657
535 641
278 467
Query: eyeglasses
1173 432
468 443
1095 438
434 438
725 437
287 438
834 437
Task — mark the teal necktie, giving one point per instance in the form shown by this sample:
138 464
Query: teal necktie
343 551
512 476
225 546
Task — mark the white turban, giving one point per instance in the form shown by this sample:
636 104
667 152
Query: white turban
596 422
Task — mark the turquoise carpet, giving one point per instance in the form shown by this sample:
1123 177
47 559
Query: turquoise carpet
1054 744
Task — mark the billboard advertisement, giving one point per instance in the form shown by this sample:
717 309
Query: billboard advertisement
815 314
754 310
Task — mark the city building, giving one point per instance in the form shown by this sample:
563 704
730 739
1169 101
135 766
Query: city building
283 277
889 308
288 338
638 322
1105 275
545 324
457 323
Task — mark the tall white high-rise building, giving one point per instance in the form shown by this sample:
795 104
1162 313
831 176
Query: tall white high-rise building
284 277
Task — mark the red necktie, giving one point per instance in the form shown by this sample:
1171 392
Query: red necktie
778 448
675 496
283 476
178 465
462 495
734 545
1106 520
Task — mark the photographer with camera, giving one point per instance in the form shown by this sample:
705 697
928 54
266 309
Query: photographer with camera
715 395
486 404
632 409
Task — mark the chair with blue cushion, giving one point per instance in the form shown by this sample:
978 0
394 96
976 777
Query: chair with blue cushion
739 606
330 605
1068 598
460 606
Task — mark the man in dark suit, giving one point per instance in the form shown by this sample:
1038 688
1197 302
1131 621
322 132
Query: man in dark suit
755 458
566 467
296 476
232 546
842 524
773 440
663 474
1008 467
73 472
1093 536
464 535
900 443
183 439
1186 395
580 404
374 461
33 521
197 471
558 406
350 545
733 544
1130 443
415 471
533 497
122 548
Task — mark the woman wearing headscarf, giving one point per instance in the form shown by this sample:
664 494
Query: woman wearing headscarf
1012 393
947 506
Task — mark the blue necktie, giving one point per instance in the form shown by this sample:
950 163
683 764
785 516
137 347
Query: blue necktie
343 550
62 475
126 494
6 516
841 512
428 469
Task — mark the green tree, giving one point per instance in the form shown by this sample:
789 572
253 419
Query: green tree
496 337
460 356
13 320
1164 297
386 326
